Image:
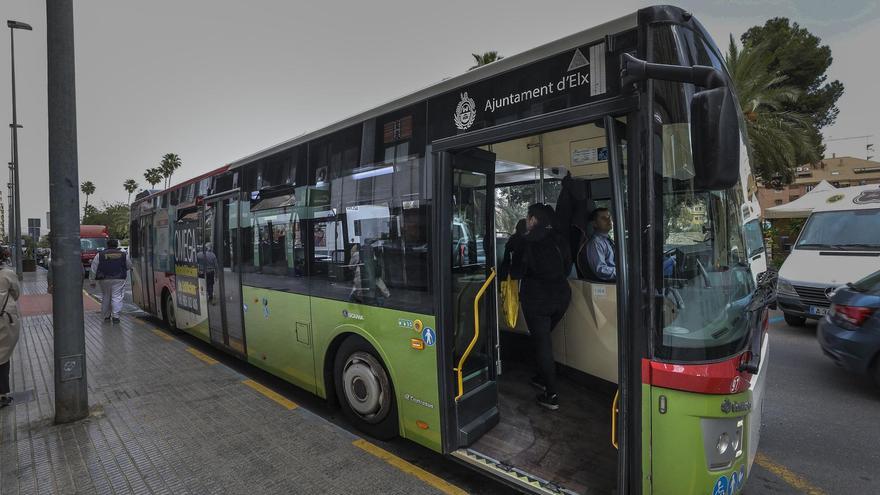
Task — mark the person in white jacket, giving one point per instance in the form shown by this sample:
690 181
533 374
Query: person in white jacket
9 323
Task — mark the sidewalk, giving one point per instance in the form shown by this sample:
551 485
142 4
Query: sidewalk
166 418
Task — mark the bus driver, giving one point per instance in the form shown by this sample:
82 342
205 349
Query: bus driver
600 249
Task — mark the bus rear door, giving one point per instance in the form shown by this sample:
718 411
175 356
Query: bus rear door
220 258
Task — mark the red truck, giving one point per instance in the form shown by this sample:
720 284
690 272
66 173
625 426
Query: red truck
92 238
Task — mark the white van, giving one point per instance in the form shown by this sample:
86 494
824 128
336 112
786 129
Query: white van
839 243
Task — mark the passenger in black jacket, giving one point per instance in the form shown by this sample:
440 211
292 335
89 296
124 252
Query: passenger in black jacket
510 247
543 263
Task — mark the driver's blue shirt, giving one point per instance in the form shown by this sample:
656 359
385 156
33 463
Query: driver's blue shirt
600 256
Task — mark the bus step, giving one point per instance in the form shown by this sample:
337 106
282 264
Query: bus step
511 474
476 412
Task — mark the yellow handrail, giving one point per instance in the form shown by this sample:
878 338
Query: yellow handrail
614 411
470 346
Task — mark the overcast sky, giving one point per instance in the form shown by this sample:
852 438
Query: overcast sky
215 80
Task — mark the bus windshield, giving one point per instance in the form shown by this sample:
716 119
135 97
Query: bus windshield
844 230
92 243
707 283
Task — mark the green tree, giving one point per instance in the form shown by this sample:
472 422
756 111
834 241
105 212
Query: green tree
87 188
780 138
130 186
170 162
485 59
88 213
114 215
153 176
799 55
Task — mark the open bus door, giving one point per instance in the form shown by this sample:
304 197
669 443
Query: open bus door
147 279
467 248
219 260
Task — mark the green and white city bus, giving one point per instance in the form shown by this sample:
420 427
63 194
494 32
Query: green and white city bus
359 262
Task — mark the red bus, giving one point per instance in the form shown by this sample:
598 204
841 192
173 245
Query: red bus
92 238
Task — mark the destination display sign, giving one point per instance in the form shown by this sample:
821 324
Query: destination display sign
581 75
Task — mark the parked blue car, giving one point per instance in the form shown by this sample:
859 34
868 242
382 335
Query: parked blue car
850 332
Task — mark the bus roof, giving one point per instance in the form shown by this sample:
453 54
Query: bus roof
495 68
93 231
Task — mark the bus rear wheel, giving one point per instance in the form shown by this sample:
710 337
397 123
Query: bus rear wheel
364 389
168 312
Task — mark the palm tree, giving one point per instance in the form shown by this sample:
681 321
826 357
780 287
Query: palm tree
778 138
170 162
153 176
87 188
485 59
131 186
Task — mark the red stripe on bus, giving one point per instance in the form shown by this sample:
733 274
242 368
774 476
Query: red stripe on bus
722 377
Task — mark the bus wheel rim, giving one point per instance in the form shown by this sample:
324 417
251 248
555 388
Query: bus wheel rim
366 387
169 310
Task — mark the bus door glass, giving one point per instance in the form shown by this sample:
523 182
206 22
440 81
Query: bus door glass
146 264
475 345
219 262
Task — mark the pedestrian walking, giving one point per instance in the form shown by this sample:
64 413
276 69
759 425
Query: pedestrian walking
9 327
543 263
110 267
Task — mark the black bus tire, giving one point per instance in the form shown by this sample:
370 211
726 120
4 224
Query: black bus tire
168 313
364 389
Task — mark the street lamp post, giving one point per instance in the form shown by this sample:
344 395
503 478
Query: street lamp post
16 234
71 383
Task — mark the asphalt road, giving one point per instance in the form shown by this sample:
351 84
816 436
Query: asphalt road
821 425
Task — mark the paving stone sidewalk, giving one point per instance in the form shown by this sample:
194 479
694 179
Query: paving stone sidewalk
166 420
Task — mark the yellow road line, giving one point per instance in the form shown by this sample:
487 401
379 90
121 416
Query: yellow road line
92 297
788 476
204 357
162 335
271 394
438 483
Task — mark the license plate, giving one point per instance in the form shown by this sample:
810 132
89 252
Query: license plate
817 311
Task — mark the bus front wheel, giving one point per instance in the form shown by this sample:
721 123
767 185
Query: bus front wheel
364 389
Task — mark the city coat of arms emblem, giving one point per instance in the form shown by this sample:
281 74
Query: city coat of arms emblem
465 112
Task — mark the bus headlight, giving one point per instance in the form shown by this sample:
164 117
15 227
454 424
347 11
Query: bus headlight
784 287
723 443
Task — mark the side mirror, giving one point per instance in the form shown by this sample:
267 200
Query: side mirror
715 139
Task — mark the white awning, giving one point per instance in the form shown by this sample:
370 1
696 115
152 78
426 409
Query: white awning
826 197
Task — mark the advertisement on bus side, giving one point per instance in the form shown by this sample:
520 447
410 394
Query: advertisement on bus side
186 266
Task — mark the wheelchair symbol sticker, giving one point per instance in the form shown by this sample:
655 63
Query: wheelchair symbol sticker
429 336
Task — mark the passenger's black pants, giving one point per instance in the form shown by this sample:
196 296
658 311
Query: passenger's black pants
542 319
4 378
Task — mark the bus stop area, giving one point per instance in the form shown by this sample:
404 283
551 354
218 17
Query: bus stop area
167 418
